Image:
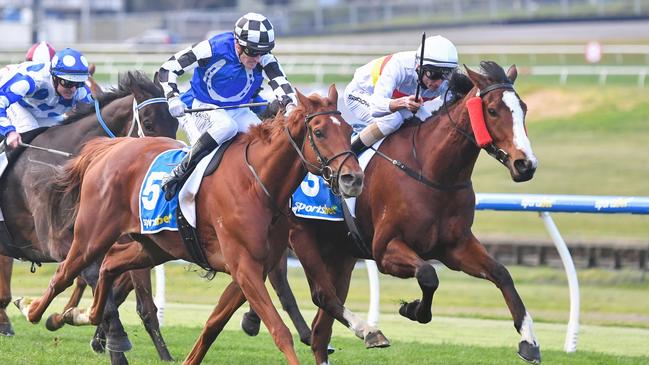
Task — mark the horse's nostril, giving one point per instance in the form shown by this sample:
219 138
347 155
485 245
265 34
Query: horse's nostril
352 179
523 166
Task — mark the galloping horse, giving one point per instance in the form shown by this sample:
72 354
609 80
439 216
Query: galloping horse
235 208
418 204
134 107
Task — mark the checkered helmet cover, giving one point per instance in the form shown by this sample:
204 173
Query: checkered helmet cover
255 31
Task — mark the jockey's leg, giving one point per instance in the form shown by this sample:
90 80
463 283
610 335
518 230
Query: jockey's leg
181 172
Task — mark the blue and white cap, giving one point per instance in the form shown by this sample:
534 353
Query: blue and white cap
70 64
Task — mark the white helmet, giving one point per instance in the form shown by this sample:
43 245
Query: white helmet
439 52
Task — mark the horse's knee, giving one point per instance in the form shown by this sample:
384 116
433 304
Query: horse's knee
427 277
501 276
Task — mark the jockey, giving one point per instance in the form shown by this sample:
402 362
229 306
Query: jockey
40 52
228 70
382 92
42 93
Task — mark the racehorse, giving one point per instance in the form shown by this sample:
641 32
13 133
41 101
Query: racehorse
134 107
418 204
235 208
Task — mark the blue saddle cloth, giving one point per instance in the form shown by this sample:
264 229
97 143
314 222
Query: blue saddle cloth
156 213
313 199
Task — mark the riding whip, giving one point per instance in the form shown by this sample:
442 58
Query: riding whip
246 105
57 152
420 71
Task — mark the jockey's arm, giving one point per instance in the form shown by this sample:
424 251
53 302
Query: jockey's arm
277 79
16 88
381 102
186 60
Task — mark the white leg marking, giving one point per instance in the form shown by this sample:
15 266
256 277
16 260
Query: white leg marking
527 332
520 137
357 325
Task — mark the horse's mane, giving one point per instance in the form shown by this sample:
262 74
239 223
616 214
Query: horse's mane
494 72
273 125
125 85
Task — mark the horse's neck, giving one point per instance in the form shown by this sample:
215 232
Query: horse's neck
448 155
117 115
281 168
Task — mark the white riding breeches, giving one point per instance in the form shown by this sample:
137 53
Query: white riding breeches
221 124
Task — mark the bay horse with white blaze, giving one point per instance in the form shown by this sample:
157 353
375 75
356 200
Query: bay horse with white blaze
236 208
418 204
136 106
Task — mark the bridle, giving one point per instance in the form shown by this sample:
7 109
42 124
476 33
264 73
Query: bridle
498 153
136 116
323 169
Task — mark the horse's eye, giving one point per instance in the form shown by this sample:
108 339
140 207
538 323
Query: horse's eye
318 133
492 112
148 127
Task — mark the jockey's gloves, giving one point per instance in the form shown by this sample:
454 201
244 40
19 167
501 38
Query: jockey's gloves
176 107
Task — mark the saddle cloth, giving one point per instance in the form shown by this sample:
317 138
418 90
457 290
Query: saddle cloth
314 200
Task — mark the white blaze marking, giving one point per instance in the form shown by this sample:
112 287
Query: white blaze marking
521 141
334 120
527 332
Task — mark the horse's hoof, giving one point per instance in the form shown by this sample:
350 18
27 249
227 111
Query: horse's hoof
529 352
250 324
376 339
6 329
54 322
330 349
98 345
119 344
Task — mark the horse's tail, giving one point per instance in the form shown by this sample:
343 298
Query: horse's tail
65 187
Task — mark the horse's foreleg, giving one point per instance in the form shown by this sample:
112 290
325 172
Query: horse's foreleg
146 308
472 258
231 299
278 278
248 273
58 320
6 265
323 291
401 261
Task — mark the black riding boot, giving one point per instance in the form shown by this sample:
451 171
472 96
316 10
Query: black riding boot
358 146
174 181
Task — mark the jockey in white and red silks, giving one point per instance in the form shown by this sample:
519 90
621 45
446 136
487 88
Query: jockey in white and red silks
382 92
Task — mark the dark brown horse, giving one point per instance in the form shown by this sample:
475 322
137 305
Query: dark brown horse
424 210
236 208
25 193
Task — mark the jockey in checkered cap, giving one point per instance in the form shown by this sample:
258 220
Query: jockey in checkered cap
38 94
228 69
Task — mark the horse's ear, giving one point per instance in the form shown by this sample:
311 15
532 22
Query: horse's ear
132 82
478 79
333 94
91 69
304 101
156 81
512 72
95 89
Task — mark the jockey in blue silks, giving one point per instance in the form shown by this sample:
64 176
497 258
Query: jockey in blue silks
228 70
41 93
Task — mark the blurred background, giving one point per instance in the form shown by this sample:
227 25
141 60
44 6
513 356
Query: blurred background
583 67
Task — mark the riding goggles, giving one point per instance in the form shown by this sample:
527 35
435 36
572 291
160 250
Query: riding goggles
438 73
253 52
67 84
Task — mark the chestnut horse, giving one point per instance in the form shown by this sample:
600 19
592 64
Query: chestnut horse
236 208
418 204
25 194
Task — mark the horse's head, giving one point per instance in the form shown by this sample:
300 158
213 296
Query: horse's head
329 143
498 119
150 107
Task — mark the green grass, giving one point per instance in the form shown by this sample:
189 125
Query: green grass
470 321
